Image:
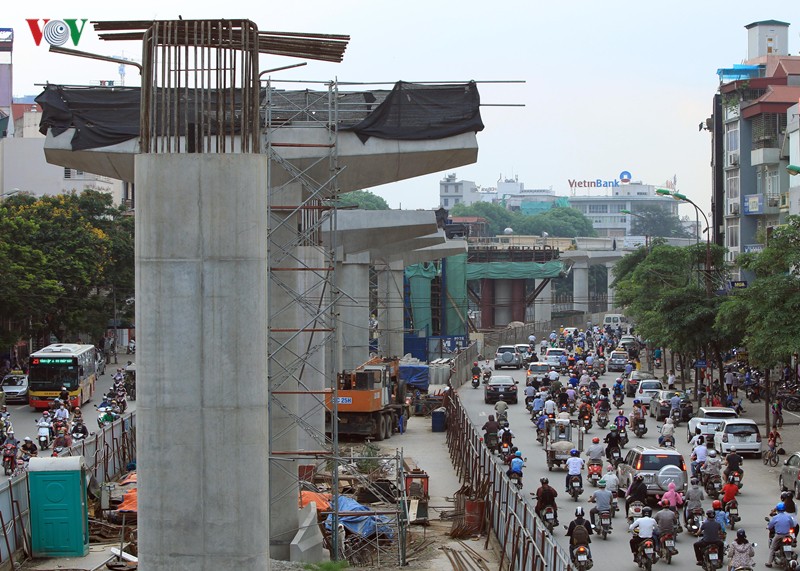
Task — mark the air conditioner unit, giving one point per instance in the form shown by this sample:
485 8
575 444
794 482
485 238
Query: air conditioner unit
733 209
733 159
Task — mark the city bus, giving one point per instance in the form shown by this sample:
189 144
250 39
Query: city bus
62 365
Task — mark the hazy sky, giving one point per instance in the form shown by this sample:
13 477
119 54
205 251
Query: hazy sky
610 85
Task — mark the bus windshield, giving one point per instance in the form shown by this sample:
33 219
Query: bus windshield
53 377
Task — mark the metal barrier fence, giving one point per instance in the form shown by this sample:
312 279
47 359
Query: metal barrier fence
107 452
526 544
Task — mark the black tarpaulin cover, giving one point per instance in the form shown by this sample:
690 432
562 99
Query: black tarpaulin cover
101 116
415 112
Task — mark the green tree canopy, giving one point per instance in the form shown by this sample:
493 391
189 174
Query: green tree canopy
362 199
656 221
557 222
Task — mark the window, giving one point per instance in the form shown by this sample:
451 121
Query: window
732 236
445 201
615 208
67 172
732 137
732 184
598 208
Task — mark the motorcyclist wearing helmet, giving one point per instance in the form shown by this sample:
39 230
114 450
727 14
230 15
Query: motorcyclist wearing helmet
612 442
638 411
782 525
546 496
516 465
596 450
693 499
712 465
729 491
576 534
733 462
46 420
476 370
501 408
574 467
740 552
618 389
564 413
711 534
621 421
79 430
602 498
720 514
668 429
29 447
647 529
604 391
637 492
675 403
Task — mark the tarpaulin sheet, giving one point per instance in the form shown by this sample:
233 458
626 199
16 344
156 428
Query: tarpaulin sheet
321 500
514 270
419 278
130 501
456 299
366 525
416 376
415 112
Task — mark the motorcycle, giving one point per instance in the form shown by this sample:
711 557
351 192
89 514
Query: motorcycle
646 555
614 506
476 382
575 489
732 507
43 435
594 471
605 524
712 558
102 419
785 553
58 451
657 363
619 400
516 479
675 414
695 521
502 419
505 449
486 376
586 421
9 459
548 514
490 438
580 558
131 347
736 477
639 428
668 547
623 436
668 442
616 456
635 511
602 418
713 485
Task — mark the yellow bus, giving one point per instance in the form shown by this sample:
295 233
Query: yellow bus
62 365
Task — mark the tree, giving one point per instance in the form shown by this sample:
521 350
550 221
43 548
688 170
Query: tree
363 200
560 222
657 221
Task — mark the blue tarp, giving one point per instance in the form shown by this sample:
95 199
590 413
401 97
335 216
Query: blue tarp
365 526
415 376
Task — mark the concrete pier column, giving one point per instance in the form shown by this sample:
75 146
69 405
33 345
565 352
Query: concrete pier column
543 304
487 303
201 236
580 286
353 279
518 300
609 269
502 302
391 308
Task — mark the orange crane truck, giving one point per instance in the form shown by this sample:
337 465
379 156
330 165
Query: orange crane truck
369 399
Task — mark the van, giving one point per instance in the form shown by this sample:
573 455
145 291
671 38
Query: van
615 320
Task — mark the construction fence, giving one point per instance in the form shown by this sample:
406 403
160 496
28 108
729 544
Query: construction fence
107 453
501 508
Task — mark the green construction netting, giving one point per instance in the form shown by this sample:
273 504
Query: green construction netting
456 301
514 270
532 208
419 278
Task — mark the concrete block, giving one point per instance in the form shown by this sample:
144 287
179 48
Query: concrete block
306 546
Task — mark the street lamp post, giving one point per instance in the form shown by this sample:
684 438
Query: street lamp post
684 198
646 236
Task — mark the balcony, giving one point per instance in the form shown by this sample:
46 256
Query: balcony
765 156
758 204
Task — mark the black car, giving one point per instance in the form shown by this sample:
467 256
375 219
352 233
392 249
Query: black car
661 410
500 387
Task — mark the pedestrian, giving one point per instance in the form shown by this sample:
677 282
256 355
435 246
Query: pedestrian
401 422
671 380
735 385
729 381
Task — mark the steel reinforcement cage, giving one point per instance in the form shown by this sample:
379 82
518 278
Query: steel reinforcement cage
526 543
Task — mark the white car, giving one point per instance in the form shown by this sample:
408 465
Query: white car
707 419
739 432
647 389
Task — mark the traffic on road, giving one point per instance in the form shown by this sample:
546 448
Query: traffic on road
622 481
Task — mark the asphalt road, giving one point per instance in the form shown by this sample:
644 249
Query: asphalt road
759 494
23 417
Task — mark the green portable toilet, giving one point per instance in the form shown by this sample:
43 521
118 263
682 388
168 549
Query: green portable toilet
59 508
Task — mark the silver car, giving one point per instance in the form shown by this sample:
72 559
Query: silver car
788 480
658 466
507 356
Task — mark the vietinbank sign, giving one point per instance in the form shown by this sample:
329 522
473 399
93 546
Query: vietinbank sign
624 178
57 32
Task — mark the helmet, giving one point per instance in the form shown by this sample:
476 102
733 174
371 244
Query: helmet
694 481
639 478
65 388
595 440
677 394
780 507
637 401
786 495
574 452
716 504
564 408
475 364
741 534
601 483
544 481
733 448
647 511
710 514
46 413
28 439
613 428
579 511
712 453
621 412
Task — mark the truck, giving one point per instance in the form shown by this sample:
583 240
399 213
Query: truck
370 400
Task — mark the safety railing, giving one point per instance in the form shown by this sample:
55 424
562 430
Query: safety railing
525 541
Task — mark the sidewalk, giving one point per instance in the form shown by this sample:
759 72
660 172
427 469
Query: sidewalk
96 559
429 450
